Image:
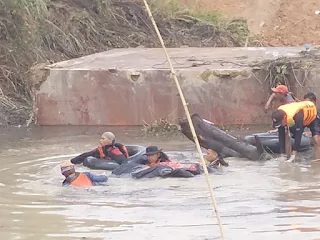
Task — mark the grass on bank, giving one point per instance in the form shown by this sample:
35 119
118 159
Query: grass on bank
37 31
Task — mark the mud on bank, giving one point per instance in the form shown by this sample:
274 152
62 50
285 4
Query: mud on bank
49 31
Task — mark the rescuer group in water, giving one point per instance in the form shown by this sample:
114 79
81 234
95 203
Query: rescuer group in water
290 119
153 163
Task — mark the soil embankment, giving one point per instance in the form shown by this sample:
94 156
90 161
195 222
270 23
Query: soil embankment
51 31
279 22
54 30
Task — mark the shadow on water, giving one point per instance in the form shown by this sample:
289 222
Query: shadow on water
256 200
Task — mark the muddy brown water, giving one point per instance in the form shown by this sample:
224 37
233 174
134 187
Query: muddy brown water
256 200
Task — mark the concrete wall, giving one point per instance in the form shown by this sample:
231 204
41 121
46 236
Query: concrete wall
125 97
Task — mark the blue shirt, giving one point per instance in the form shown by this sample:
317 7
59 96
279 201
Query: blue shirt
289 98
96 178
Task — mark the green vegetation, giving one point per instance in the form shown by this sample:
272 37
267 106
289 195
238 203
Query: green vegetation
161 127
46 31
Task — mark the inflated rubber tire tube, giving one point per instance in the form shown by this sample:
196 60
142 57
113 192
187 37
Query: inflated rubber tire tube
135 155
270 142
100 164
210 133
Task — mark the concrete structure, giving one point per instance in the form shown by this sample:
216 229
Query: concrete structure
133 86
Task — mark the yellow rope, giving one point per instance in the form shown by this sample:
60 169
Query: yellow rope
188 117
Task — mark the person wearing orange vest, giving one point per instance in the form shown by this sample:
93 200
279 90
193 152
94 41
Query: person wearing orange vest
107 149
79 178
296 116
315 129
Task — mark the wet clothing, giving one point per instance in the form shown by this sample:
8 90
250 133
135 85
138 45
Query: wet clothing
163 158
317 124
84 179
219 162
136 170
108 152
298 116
288 99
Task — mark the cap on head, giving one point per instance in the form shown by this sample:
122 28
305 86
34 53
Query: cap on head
280 89
109 135
66 166
277 118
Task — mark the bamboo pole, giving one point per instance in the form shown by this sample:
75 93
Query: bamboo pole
185 105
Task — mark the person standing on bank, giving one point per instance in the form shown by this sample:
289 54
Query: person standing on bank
295 116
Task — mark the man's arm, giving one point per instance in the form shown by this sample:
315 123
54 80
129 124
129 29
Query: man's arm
118 156
79 159
96 178
271 98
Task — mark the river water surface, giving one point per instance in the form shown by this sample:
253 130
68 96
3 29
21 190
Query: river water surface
256 200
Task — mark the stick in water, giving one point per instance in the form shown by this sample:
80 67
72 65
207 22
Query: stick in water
188 117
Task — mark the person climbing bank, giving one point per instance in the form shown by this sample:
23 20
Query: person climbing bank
79 178
295 116
281 94
107 149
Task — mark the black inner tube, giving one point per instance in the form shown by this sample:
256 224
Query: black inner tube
135 155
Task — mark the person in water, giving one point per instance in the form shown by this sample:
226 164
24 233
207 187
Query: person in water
215 160
156 156
107 150
79 178
281 94
315 126
295 116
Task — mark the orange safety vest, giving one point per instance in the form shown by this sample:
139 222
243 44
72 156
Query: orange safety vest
81 180
308 107
120 146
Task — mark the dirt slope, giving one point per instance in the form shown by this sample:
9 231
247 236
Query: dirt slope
281 22
295 24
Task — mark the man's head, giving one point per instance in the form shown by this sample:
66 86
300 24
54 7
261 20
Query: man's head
280 91
107 138
278 118
153 154
67 168
310 96
211 155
